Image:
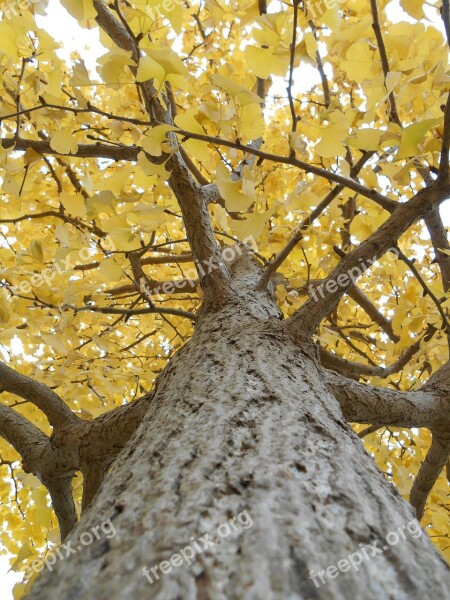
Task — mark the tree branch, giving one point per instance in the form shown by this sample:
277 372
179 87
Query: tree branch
25 437
57 412
439 239
193 203
429 471
444 172
371 194
98 150
393 114
343 276
132 312
357 370
60 490
363 403
38 457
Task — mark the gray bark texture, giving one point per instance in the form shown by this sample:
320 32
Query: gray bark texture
243 419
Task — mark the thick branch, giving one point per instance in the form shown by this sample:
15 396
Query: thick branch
41 458
60 490
57 412
25 437
114 28
188 192
439 239
363 403
371 310
343 276
444 172
429 471
98 150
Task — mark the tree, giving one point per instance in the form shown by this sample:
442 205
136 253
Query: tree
168 401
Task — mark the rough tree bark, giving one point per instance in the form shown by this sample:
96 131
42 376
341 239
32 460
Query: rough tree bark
243 419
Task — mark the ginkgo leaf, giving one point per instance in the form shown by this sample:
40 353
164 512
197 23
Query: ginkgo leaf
24 553
81 10
150 168
150 69
366 139
169 61
253 225
155 138
80 75
413 135
110 269
75 204
266 61
240 93
413 8
359 63
333 136
148 218
188 122
4 308
235 199
36 250
64 142
251 121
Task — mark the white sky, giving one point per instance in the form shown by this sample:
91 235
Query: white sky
64 28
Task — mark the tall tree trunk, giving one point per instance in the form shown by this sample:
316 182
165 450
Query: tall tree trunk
242 420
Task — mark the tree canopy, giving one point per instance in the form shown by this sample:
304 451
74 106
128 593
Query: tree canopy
317 132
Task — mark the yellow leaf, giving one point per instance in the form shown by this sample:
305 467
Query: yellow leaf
188 122
150 169
24 553
251 122
4 307
252 226
155 137
63 142
75 204
149 218
333 135
366 139
36 250
266 61
80 75
236 91
110 270
81 10
150 69
9 39
169 61
235 200
413 135
31 156
19 590
359 62
414 8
